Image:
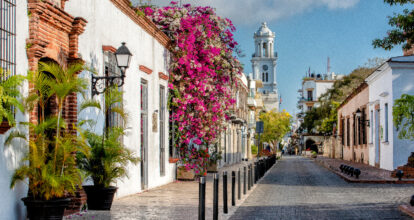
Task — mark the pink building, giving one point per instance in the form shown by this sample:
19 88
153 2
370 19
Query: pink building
353 125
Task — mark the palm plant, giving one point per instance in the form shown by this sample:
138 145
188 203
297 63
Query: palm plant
50 164
64 83
9 96
109 158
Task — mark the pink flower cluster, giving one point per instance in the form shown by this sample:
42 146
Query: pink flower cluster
203 71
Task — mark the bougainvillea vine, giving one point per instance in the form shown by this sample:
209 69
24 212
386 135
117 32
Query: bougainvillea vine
203 71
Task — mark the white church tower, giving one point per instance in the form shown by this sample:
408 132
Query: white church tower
264 66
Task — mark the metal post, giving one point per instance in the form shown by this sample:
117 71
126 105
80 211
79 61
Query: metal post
238 184
248 177
202 199
258 152
215 196
244 180
253 173
225 208
233 188
256 172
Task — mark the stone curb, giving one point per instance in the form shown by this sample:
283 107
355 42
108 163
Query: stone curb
406 209
351 180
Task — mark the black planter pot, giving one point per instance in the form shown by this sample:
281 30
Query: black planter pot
99 198
45 209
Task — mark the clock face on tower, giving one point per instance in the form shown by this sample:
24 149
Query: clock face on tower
265 67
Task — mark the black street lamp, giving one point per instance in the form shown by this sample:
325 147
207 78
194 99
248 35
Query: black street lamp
101 83
358 113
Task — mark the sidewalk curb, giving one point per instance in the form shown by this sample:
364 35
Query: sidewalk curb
350 180
233 209
406 209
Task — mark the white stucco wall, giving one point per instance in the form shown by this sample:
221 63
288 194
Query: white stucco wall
107 25
322 87
10 156
380 83
403 83
386 85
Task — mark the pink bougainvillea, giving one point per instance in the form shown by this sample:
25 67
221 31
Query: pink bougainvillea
203 71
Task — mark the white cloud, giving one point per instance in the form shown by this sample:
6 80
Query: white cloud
252 12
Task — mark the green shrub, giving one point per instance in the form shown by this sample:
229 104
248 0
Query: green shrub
254 149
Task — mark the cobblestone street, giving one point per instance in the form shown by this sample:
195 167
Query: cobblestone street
298 188
178 200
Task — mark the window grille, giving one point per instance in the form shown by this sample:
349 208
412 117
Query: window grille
112 69
386 122
8 36
162 130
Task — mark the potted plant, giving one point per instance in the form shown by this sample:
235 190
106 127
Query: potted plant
215 156
9 99
193 161
49 165
314 154
108 158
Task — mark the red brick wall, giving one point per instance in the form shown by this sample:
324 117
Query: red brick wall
53 34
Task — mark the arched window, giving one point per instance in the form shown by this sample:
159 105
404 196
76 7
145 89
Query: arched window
263 77
267 77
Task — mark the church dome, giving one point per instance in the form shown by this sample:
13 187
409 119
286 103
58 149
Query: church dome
264 30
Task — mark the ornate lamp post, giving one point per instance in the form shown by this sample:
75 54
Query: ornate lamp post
101 83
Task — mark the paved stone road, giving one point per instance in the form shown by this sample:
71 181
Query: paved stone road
298 188
176 201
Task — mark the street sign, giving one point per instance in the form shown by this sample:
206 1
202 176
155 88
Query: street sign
259 127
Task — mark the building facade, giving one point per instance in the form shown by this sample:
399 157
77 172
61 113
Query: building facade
234 139
386 84
145 88
66 31
264 62
313 86
353 126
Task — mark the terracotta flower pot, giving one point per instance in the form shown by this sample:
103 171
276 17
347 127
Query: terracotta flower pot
173 160
184 174
4 127
212 168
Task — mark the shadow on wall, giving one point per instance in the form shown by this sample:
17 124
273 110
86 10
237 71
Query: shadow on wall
10 158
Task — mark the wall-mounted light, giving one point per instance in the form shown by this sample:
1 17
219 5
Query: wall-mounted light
358 113
101 83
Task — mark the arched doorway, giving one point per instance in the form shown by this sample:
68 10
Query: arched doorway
311 145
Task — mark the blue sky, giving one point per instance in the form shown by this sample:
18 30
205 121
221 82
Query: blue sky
307 32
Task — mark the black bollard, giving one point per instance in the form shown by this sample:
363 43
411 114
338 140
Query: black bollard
357 172
225 208
251 175
256 172
215 196
248 177
238 185
233 188
244 180
399 174
202 199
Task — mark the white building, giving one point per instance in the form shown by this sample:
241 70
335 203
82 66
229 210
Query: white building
386 84
65 31
313 86
264 66
145 88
